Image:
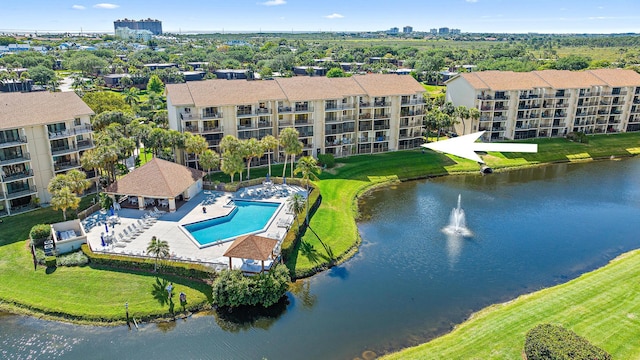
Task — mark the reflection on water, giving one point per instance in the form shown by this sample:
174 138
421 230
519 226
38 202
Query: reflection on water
408 283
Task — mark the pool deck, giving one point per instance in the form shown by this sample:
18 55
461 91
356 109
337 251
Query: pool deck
181 246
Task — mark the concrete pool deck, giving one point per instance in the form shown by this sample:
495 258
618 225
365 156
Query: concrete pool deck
180 246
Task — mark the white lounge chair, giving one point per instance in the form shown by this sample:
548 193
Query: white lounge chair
144 224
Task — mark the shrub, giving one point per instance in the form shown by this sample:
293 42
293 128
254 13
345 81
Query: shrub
232 289
290 241
39 233
77 258
578 137
186 270
547 341
327 160
50 261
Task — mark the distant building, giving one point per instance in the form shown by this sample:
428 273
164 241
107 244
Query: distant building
154 66
155 26
434 31
232 74
309 70
133 34
393 31
407 29
455 31
443 31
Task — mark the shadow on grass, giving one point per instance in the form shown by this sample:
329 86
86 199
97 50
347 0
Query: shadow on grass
50 270
244 318
159 292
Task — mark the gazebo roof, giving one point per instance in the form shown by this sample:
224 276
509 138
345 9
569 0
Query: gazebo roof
251 247
158 179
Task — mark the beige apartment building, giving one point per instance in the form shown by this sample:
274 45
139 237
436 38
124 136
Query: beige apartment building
341 116
548 103
42 134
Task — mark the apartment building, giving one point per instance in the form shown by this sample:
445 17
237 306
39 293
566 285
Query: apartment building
340 116
548 103
42 134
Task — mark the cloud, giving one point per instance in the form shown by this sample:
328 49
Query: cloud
273 2
471 1
78 7
334 16
106 6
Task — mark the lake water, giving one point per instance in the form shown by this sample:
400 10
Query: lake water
410 282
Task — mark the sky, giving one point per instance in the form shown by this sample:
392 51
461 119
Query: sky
500 16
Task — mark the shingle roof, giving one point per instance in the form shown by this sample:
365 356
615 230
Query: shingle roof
231 92
617 77
557 79
316 88
40 108
156 179
388 84
251 247
565 79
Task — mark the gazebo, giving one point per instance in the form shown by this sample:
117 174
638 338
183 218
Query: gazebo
158 179
252 247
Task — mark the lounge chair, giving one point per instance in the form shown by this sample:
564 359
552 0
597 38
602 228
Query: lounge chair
144 224
157 211
123 238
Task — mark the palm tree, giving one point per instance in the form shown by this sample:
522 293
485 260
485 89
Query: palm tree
159 249
209 160
308 167
64 199
474 114
462 113
77 181
132 97
231 164
296 204
292 146
269 143
195 144
253 148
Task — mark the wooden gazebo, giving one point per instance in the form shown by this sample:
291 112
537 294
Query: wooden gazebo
252 247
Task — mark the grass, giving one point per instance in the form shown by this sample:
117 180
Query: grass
602 306
79 293
434 90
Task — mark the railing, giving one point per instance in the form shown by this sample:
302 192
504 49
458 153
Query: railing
17 175
192 129
21 192
216 115
307 146
303 109
303 121
247 127
337 131
188 116
85 144
365 127
381 116
65 165
15 159
283 123
60 134
13 142
381 138
364 140
365 105
22 208
338 107
413 102
209 129
90 174
364 116
285 109
412 113
381 127
264 124
84 128
306 134
2 197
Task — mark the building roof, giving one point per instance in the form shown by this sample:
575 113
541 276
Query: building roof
251 247
617 77
223 92
315 88
40 108
388 84
565 79
556 79
156 179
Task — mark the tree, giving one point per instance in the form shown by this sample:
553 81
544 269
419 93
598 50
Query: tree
231 164
462 113
77 181
292 146
154 101
474 114
229 143
573 62
308 167
195 144
296 204
336 72
42 75
159 249
269 143
253 148
233 289
155 84
64 199
131 96
100 101
209 160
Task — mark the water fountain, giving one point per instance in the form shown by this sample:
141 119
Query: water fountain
457 222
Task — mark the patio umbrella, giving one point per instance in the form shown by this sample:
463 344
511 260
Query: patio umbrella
284 180
111 210
106 226
268 178
102 240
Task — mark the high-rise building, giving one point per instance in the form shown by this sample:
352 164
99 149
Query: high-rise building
455 31
393 30
548 103
434 31
362 114
443 31
407 29
42 134
155 26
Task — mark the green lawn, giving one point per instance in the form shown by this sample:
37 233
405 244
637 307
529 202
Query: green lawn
602 306
434 90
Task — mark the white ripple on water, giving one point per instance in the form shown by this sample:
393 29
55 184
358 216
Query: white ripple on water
37 346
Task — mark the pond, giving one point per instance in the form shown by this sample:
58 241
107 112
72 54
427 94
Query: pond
410 282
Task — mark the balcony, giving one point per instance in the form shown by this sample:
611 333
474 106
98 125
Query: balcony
212 129
17 176
65 165
13 142
213 115
382 103
192 129
17 193
381 127
364 140
338 107
414 102
303 121
306 134
365 104
307 146
90 174
265 124
15 159
285 110
301 109
364 116
246 113
381 138
382 116
365 127
188 116
485 97
82 129
411 113
85 144
247 127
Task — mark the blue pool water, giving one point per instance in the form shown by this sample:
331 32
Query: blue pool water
247 217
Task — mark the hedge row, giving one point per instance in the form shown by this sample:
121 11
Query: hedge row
186 270
553 342
292 238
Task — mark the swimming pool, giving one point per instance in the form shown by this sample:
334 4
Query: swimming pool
246 218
